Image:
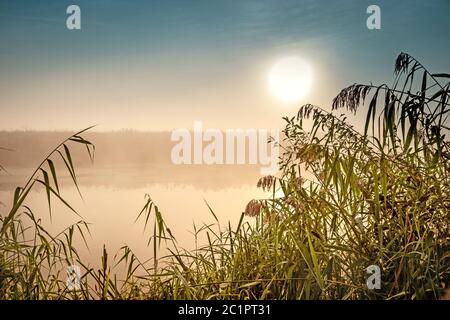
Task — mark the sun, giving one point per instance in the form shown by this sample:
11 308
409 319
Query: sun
290 79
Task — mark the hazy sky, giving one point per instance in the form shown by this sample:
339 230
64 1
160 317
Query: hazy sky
158 65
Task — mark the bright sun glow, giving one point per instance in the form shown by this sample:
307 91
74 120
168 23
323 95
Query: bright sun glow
290 79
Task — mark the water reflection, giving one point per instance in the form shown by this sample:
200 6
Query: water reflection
113 196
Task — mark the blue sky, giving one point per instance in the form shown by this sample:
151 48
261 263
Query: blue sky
156 65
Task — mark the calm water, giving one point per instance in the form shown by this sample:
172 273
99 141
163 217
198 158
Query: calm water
113 197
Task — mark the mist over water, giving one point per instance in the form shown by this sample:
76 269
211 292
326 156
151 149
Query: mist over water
114 189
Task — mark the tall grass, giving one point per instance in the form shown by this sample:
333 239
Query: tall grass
31 259
343 200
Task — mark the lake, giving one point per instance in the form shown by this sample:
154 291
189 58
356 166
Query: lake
114 195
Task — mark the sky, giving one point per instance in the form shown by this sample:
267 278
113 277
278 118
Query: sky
160 65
